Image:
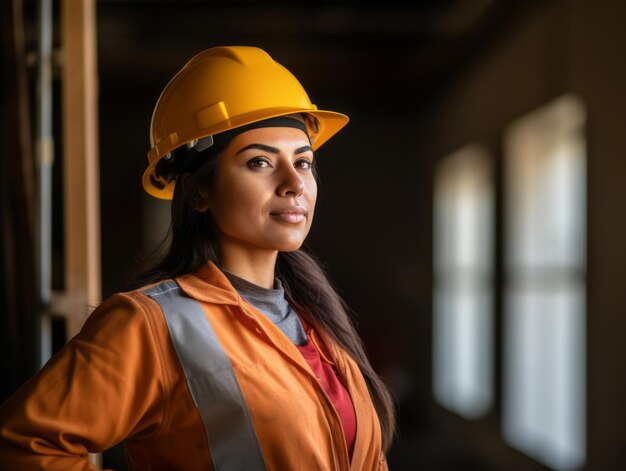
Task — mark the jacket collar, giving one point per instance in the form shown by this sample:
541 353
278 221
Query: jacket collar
208 284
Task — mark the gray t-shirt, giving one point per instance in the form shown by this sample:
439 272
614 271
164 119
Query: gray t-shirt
273 304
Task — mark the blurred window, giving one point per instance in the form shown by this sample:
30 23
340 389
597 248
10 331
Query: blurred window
462 337
544 318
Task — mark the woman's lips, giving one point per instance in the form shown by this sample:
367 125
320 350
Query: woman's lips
291 214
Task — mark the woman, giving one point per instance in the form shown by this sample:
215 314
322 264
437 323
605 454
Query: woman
234 352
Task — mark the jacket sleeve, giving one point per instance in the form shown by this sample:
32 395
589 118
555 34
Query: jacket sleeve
105 385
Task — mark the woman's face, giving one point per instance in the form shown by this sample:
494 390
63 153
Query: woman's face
264 191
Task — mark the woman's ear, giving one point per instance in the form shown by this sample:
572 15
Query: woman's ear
200 198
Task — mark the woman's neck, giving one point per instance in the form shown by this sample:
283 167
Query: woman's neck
254 266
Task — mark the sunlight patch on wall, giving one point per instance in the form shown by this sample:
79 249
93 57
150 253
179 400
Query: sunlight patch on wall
463 318
544 323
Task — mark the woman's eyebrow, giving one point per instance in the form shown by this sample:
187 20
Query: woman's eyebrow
273 150
270 149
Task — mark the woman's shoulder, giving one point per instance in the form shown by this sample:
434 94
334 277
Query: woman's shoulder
126 311
141 296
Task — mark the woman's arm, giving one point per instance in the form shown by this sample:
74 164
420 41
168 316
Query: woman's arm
106 384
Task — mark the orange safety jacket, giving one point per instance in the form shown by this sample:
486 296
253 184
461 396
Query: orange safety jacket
238 395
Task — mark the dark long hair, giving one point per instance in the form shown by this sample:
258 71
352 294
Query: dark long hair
191 241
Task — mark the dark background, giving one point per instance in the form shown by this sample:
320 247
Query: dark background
419 80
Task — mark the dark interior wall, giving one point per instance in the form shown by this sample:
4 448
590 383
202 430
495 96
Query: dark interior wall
565 46
125 110
510 78
598 74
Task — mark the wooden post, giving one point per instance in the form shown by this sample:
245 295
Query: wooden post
80 160
81 173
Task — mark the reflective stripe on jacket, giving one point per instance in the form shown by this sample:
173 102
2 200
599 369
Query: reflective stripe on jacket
121 378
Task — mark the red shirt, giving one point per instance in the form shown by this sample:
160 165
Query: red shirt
336 391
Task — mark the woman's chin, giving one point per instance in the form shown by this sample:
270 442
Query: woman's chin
289 245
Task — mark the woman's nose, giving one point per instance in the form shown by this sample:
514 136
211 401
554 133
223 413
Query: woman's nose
291 182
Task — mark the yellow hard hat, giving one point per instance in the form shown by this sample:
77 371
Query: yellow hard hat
223 88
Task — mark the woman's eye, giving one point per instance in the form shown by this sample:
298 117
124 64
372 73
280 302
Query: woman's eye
259 162
304 164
